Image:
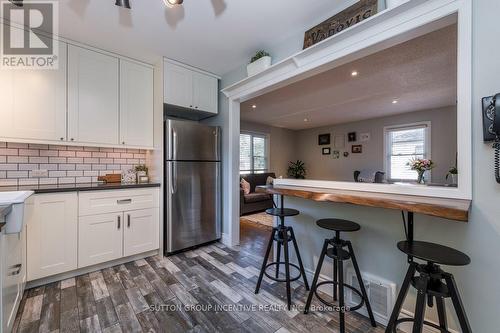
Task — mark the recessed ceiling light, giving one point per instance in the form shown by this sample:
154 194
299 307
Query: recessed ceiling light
173 2
306 120
394 101
354 73
254 106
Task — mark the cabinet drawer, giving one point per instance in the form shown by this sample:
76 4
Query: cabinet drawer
102 202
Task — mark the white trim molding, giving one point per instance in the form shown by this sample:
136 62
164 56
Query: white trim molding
388 28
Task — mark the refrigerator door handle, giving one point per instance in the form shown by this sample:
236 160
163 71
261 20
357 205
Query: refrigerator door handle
174 144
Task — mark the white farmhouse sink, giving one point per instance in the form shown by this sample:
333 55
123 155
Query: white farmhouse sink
15 219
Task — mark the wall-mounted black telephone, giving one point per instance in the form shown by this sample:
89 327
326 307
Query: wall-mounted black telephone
491 127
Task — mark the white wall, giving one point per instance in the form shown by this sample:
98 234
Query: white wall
324 167
282 145
480 238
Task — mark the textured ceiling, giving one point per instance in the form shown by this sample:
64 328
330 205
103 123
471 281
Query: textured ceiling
420 74
215 35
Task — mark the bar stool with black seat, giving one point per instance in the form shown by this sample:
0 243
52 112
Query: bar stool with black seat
430 286
338 253
282 235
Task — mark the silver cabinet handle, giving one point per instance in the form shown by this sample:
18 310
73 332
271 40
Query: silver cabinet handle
119 222
19 268
128 220
124 201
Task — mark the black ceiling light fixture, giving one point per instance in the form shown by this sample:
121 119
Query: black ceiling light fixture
18 3
123 3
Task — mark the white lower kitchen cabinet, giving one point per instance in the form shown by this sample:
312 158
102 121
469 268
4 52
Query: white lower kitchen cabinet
52 235
141 232
100 238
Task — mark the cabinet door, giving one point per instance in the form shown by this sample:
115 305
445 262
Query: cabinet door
52 235
205 92
11 280
93 97
136 104
178 86
141 231
100 238
34 102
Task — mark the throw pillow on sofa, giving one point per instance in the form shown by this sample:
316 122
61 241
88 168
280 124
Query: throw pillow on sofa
245 186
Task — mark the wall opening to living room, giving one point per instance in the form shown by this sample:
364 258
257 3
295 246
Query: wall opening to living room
386 118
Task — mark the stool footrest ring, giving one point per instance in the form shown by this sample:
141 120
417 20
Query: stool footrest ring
282 263
322 300
410 320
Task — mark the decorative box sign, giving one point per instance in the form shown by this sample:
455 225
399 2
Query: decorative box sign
358 12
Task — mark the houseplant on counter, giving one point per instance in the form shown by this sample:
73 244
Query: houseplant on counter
297 170
260 62
453 172
421 165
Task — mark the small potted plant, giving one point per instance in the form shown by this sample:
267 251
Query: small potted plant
297 170
260 62
453 172
421 165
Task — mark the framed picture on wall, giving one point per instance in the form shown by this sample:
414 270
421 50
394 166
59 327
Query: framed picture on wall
357 149
339 141
336 154
324 139
326 151
351 137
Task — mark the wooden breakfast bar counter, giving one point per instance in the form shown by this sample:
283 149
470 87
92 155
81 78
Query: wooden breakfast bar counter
451 209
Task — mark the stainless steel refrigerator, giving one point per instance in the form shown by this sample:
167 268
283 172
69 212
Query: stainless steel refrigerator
192 185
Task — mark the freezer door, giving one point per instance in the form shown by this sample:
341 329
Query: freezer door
193 204
190 141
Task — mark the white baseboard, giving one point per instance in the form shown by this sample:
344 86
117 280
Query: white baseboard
85 270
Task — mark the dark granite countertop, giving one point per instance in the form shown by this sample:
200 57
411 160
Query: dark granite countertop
76 187
4 210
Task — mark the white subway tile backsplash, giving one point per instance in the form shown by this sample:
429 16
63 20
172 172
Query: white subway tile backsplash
9 151
67 153
17 174
17 145
37 146
8 166
47 181
83 154
8 182
67 167
57 174
57 160
49 153
67 180
17 159
39 160
28 181
28 167
29 152
64 164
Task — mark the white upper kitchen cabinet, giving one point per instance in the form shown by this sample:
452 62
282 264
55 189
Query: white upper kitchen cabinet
136 104
190 88
34 102
52 235
205 92
178 86
93 97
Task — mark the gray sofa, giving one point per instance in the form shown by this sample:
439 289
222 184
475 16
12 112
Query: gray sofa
255 202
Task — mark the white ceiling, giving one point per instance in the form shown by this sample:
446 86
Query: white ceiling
215 35
420 74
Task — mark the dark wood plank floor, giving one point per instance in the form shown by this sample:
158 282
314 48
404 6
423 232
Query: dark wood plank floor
188 292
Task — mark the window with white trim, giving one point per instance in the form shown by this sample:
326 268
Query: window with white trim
253 153
402 144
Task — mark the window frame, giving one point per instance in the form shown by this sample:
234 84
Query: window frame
387 145
267 139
